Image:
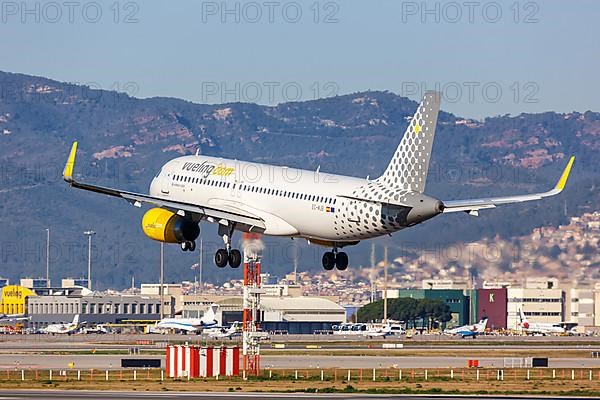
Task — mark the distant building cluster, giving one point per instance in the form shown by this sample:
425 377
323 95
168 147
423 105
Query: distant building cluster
568 253
542 300
283 307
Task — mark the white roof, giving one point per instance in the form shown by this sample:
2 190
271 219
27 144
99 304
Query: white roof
303 303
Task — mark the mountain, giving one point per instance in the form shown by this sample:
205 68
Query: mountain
125 140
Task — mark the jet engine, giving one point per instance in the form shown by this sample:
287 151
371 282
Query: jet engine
166 226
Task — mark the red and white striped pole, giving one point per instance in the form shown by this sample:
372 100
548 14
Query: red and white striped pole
251 299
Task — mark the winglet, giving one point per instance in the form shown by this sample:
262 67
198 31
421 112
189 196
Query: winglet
68 171
565 175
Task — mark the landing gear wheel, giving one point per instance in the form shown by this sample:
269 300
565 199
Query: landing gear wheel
328 260
191 246
185 246
341 261
235 258
221 258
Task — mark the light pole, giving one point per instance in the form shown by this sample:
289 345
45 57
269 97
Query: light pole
89 234
162 280
47 257
200 265
372 275
385 279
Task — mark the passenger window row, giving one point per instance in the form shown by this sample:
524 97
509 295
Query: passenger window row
255 189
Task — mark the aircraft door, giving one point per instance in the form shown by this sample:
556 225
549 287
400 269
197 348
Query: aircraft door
167 178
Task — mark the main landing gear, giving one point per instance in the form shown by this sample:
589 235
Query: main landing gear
227 255
333 259
233 257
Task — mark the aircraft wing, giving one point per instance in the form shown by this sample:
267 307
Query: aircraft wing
472 206
137 199
13 319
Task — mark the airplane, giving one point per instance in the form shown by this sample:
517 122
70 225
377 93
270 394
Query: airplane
208 320
67 328
13 318
539 327
469 330
329 210
222 332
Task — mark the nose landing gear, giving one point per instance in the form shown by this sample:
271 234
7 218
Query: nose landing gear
188 245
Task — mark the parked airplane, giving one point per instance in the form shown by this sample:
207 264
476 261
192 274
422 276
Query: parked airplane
68 328
326 209
469 330
538 327
222 332
13 318
191 324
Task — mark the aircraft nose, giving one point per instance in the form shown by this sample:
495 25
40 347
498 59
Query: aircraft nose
153 187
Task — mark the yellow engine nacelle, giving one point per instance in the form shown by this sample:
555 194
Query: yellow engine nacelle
166 226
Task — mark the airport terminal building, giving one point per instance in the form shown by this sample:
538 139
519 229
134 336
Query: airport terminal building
282 310
63 304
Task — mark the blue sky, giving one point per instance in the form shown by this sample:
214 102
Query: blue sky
488 58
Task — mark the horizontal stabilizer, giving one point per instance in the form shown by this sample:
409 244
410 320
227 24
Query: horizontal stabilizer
471 206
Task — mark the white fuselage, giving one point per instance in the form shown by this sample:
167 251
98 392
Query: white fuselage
542 328
61 328
181 324
468 330
292 202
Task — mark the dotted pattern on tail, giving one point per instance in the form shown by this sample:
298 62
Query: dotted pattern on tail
408 168
357 220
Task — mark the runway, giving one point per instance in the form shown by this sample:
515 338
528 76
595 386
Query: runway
103 361
107 395
90 351
438 340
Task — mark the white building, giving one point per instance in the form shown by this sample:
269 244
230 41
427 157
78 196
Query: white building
72 282
496 284
34 283
301 309
440 284
539 305
281 290
581 307
172 295
541 283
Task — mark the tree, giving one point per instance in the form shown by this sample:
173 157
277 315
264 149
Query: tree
430 312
